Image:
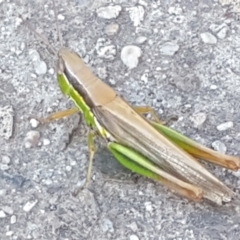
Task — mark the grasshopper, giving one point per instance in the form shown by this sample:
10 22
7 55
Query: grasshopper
146 147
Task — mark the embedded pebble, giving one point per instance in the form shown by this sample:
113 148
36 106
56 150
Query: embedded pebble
142 2
73 163
130 55
46 142
4 167
6 160
224 126
2 214
35 56
51 71
198 119
34 123
236 174
7 210
148 206
102 72
6 121
60 17
174 10
109 12
29 205
213 87
216 27
107 225
169 49
219 146
133 237
39 65
111 29
105 49
68 168
32 139
48 181
9 233
133 226
40 68
3 192
13 219
141 40
220 30
144 77
222 33
112 81
136 15
179 19
208 38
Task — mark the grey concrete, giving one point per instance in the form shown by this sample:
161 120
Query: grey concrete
189 67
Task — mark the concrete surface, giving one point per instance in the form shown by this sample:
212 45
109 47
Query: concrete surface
189 67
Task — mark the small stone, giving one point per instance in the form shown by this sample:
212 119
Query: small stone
105 49
46 142
222 33
236 174
18 19
179 19
6 160
133 237
107 225
40 68
198 119
9 233
112 81
111 29
102 72
130 55
133 226
60 17
109 12
148 206
73 163
51 71
136 15
215 28
13 219
141 2
32 139
2 214
48 181
169 49
7 210
29 205
144 77
39 65
219 146
3 192
68 168
34 123
224 126
49 110
213 87
4 167
208 38
141 40
174 10
6 121
35 56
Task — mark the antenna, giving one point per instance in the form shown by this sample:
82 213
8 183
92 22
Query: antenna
57 25
41 37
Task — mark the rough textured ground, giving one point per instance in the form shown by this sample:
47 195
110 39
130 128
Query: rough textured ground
189 67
